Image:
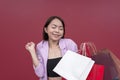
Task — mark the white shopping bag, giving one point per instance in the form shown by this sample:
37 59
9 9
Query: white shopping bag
74 66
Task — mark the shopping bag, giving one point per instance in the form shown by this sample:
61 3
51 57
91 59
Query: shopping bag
110 72
115 62
89 49
74 66
96 73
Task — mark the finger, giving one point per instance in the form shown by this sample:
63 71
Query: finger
32 42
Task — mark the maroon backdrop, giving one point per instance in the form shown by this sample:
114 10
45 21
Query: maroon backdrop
21 21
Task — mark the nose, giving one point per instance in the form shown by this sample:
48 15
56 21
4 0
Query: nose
57 29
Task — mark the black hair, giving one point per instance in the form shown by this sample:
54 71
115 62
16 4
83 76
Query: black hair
50 19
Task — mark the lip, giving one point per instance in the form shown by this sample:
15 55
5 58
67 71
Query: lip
56 35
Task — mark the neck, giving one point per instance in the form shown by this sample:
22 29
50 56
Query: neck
53 44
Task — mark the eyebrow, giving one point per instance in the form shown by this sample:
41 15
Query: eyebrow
56 25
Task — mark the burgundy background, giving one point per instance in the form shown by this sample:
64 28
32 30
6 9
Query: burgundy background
21 21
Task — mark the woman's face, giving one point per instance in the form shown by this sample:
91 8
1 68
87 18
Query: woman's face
55 30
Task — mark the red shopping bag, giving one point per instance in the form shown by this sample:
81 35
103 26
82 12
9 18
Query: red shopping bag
96 73
89 49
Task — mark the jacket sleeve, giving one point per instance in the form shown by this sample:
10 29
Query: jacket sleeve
71 45
39 70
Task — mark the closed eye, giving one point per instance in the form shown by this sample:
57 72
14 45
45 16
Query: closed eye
54 26
61 28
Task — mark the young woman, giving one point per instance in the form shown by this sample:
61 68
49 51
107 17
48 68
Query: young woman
51 49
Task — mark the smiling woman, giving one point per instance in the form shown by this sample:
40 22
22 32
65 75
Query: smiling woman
51 49
55 30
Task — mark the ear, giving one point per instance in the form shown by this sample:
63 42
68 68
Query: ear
45 29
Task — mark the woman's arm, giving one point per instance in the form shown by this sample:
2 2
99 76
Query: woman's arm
36 58
31 48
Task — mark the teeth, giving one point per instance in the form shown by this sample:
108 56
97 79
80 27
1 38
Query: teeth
56 34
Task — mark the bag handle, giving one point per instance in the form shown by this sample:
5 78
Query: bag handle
87 49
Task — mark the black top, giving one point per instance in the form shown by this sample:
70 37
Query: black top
51 63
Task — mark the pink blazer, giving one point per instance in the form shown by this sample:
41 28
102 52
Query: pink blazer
42 54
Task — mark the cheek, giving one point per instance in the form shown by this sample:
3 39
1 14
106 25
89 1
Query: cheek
62 32
48 30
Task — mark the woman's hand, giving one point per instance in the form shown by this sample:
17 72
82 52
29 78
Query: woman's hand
30 46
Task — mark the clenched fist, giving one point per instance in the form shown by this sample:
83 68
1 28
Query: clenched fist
30 46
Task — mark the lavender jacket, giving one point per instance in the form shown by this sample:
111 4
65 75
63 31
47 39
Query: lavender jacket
42 54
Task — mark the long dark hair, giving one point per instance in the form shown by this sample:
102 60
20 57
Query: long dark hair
45 35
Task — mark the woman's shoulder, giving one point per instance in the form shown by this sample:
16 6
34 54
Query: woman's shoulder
70 44
67 40
42 43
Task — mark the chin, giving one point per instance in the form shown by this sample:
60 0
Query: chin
56 39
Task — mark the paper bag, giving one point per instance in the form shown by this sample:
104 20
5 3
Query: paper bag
74 66
96 73
105 59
